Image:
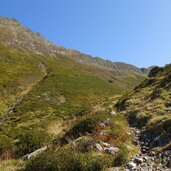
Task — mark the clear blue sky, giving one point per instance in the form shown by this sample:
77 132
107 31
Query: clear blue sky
132 31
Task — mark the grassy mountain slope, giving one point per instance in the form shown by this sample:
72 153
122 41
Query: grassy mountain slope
16 36
18 73
43 98
149 106
49 99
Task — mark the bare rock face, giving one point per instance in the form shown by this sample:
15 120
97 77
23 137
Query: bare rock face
16 36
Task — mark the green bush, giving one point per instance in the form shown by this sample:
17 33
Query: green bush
122 157
142 119
5 146
82 127
121 104
139 119
85 126
68 160
29 141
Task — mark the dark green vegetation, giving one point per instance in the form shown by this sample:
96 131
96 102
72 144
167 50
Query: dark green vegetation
45 99
149 106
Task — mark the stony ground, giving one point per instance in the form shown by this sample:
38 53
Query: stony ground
146 160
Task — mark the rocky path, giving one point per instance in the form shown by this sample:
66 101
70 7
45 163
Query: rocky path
147 160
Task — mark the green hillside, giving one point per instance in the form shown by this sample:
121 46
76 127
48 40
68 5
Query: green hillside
43 98
149 107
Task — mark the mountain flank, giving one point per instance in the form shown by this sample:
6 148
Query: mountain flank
16 36
62 110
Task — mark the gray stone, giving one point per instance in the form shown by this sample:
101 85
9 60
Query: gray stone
144 165
102 125
167 153
131 165
105 144
114 169
35 153
169 163
145 158
138 160
98 147
112 150
113 112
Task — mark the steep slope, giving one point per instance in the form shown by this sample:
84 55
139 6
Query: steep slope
49 99
18 74
149 106
45 100
16 36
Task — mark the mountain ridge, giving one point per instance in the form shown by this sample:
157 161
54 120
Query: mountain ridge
71 104
16 36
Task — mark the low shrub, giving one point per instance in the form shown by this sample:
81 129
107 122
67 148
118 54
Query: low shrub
69 160
86 125
6 149
122 157
29 141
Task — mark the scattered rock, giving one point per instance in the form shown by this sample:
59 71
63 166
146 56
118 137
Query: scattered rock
35 153
167 153
102 125
105 144
145 158
168 104
98 147
113 112
138 160
131 165
112 150
101 133
129 133
114 169
144 165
